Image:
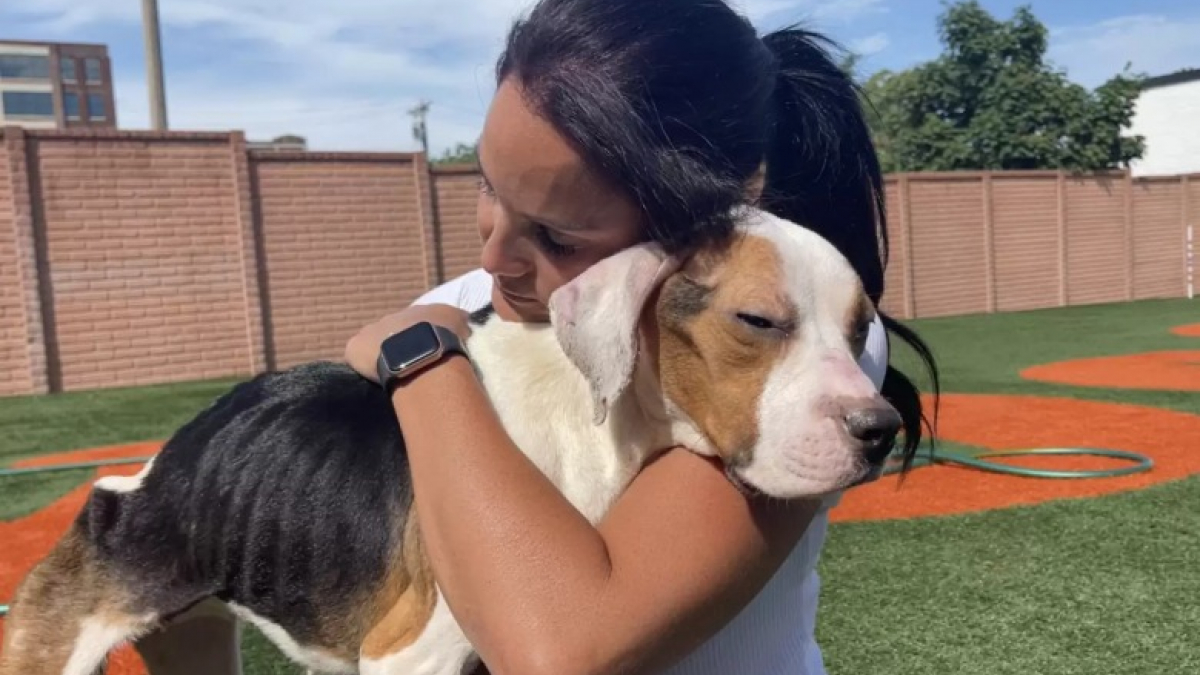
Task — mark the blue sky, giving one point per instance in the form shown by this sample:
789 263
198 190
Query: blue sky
344 72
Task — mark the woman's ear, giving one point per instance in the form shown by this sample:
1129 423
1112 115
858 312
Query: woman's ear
595 317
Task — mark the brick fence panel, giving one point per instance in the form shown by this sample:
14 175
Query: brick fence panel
1096 251
949 259
14 361
1192 218
342 247
1157 227
1025 242
457 190
142 249
894 300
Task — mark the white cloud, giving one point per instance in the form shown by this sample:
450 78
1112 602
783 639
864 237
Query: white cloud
343 73
870 45
819 12
1152 44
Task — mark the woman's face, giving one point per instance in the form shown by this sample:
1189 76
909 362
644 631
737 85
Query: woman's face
542 216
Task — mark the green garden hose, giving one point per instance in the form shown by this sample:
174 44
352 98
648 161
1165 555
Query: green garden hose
1138 464
68 467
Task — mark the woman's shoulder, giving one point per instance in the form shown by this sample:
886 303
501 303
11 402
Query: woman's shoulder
469 291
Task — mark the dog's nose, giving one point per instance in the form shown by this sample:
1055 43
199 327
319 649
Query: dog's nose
876 427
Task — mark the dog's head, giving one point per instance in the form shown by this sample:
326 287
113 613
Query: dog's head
755 346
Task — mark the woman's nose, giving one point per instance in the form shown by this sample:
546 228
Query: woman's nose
503 253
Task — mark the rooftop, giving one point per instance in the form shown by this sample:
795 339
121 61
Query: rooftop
1177 77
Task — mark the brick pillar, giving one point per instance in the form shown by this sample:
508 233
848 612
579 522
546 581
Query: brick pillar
24 224
250 249
430 222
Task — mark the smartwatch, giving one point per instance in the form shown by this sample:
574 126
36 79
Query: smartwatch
413 349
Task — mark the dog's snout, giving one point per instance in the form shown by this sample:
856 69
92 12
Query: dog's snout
876 427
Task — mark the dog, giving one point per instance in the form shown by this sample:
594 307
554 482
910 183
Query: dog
287 502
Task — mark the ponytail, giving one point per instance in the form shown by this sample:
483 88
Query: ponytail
822 171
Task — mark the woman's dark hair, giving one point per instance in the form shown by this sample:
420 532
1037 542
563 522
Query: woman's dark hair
678 103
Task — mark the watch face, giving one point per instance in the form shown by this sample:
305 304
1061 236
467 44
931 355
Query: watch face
410 346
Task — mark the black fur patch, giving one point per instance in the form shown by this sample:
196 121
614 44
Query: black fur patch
285 496
481 315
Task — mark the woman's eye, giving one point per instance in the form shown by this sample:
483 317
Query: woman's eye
550 245
485 187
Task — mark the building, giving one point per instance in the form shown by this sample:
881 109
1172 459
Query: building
1166 115
49 85
287 143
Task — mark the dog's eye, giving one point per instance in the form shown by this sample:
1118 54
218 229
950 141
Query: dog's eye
755 321
859 338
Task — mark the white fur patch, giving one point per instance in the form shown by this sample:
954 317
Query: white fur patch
311 658
545 403
97 638
124 483
442 649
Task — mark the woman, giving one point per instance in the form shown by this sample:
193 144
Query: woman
615 121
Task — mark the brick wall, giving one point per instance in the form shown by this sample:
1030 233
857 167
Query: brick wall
972 242
142 258
1025 246
457 192
1157 212
14 366
949 246
131 258
343 245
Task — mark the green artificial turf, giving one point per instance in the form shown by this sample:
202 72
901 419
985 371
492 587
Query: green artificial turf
38 425
22 495
985 353
1080 587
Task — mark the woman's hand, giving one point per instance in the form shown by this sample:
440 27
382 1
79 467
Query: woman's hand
362 350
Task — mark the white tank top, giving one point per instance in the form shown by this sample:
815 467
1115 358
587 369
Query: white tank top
775 633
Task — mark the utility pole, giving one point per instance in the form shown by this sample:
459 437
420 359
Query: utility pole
154 67
418 113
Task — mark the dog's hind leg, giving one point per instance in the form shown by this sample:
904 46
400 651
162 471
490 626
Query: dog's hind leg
205 640
68 614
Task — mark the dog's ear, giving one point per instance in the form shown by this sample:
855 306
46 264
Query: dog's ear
595 318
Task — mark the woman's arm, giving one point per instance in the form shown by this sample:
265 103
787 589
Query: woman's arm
537 589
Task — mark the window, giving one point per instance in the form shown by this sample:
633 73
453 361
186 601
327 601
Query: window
66 68
28 104
25 66
91 68
71 105
97 107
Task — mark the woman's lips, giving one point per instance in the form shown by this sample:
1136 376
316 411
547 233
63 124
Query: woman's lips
516 298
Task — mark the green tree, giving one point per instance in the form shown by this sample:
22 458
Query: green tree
991 101
461 153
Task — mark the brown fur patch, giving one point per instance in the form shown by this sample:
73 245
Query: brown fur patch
47 616
406 601
858 318
702 348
